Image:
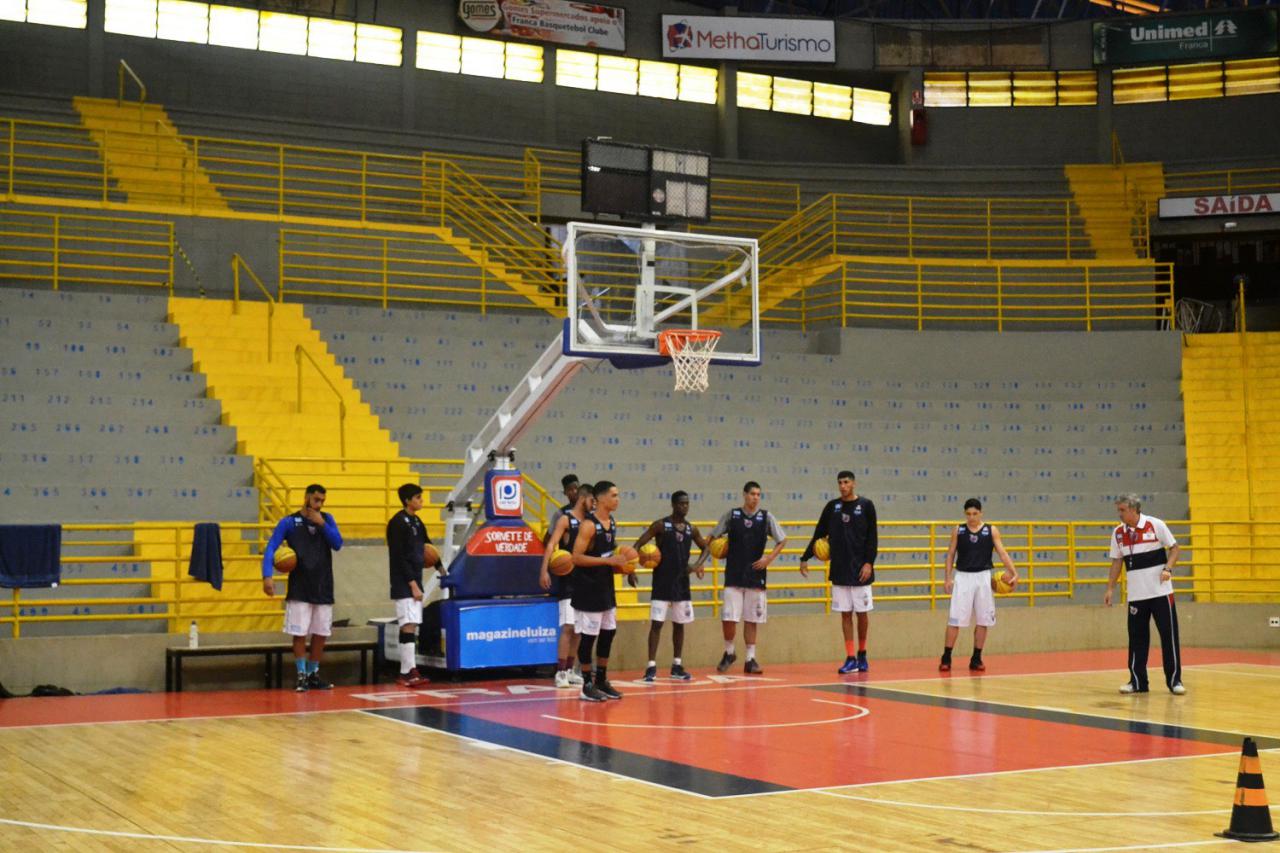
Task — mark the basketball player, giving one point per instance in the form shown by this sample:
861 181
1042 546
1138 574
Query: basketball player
406 552
308 607
569 484
969 586
849 523
563 534
594 603
1148 552
670 593
745 568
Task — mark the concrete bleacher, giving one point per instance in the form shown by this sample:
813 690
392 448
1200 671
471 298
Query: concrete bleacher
104 418
1040 425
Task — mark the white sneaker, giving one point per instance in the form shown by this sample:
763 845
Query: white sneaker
575 680
1178 689
562 679
1128 688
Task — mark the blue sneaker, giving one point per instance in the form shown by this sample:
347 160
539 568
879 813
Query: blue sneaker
862 663
850 665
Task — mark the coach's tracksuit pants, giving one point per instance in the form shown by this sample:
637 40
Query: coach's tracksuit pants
1165 613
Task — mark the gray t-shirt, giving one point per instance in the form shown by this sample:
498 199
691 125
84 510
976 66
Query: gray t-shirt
775 529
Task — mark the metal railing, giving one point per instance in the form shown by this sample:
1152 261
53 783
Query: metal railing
1058 561
1001 295
237 263
1258 179
300 352
61 248
123 69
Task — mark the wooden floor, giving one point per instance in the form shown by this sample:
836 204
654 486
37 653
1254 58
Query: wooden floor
1038 753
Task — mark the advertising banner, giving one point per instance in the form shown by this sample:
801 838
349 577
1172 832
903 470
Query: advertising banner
1243 204
488 634
1177 38
772 39
554 21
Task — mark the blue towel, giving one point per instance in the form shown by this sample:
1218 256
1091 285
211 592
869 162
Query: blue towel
30 555
206 555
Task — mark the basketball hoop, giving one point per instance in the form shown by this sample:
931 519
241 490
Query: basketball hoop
690 351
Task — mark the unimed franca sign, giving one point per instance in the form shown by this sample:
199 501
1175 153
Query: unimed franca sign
1243 204
1169 38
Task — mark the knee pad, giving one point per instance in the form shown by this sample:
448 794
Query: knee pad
606 642
407 635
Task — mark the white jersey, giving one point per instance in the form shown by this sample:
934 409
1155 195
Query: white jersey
1144 551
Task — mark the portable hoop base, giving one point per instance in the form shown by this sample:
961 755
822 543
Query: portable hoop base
690 351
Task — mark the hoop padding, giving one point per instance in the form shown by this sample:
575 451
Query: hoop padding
690 351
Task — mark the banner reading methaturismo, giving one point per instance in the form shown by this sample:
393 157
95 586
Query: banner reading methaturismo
774 39
555 21
1243 204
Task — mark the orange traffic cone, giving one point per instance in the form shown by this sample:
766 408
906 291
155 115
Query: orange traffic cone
1250 815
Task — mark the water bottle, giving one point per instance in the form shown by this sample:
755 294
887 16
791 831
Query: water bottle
193 636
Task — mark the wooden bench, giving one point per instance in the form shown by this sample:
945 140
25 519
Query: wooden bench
273 654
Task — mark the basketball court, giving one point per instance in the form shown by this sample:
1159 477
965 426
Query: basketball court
1038 753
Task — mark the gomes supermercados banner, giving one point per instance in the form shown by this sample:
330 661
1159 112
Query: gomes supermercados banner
554 21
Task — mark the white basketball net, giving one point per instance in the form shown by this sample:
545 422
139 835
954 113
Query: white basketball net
690 358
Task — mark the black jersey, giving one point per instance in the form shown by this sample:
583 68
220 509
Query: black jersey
850 528
406 536
747 537
671 576
974 548
312 580
562 585
593 585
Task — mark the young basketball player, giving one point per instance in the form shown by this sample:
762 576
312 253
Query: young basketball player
670 593
594 604
563 534
406 552
849 524
745 573
969 585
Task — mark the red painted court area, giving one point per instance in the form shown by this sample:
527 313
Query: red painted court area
799 726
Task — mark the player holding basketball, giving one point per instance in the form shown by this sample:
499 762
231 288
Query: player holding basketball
406 552
594 604
670 593
564 533
308 606
745 570
969 585
849 525
1143 545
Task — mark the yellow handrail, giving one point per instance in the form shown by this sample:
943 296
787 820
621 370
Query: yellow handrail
121 70
298 353
69 248
236 263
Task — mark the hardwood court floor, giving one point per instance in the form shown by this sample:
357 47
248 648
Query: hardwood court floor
1038 753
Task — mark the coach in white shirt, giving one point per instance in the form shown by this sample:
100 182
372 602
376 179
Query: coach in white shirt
1148 552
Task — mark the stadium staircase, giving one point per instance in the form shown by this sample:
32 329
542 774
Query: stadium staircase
1231 395
1114 201
145 155
259 396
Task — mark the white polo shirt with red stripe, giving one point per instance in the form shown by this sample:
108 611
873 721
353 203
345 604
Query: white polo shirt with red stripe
1144 551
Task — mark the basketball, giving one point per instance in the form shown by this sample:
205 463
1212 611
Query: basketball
430 556
285 559
633 560
650 556
1000 585
561 562
822 549
719 547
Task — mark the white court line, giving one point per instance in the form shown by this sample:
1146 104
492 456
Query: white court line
1208 667
862 712
183 839
985 810
552 759
1168 846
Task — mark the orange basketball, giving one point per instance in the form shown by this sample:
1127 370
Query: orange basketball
633 560
1000 585
430 556
719 547
285 559
561 562
650 556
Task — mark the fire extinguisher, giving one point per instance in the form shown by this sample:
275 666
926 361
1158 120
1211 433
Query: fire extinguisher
919 126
